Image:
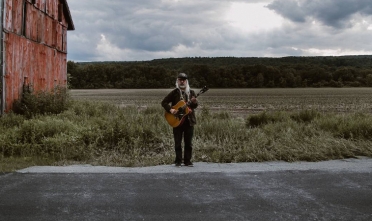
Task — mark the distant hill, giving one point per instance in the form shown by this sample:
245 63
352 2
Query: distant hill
245 72
338 61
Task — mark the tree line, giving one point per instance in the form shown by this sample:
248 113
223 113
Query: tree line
225 72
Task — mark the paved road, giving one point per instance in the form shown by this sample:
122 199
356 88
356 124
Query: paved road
332 190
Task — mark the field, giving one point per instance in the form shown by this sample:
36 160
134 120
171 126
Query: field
127 128
247 101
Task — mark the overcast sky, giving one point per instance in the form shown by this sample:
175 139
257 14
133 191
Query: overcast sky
138 30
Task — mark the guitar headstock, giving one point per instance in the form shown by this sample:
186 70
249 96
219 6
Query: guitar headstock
203 90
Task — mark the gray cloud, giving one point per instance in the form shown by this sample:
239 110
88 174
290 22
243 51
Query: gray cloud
334 13
148 25
150 29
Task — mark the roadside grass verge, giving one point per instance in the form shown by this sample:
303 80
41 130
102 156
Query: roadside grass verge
99 133
285 136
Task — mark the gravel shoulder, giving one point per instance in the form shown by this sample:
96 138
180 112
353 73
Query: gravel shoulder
360 164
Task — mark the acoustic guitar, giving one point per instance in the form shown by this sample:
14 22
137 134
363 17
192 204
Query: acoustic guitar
177 119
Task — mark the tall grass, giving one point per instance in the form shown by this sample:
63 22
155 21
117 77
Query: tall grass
103 134
93 132
289 136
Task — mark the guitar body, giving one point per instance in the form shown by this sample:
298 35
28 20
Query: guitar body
176 120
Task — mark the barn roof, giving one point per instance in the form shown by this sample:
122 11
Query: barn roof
68 17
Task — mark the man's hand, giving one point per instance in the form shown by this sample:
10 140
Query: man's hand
173 111
193 99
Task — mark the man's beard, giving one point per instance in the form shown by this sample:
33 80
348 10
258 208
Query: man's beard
182 86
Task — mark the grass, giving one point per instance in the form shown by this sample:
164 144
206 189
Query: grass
89 132
101 133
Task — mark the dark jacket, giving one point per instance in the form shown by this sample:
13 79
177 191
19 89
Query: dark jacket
174 97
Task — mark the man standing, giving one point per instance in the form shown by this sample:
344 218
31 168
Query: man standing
186 129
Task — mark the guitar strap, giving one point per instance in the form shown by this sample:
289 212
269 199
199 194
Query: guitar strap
182 97
180 92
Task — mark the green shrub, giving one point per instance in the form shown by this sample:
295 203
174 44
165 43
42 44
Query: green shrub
222 115
205 112
352 126
40 103
11 120
305 116
35 130
153 110
9 145
64 147
265 118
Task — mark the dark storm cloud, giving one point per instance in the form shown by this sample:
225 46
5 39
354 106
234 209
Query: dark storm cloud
289 9
334 13
148 25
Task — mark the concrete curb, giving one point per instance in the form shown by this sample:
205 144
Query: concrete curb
362 164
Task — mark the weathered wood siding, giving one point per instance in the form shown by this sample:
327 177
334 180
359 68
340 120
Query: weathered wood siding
35 47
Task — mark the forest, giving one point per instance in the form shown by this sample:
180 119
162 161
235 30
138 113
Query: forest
225 72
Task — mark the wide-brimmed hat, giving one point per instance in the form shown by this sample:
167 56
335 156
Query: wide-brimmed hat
182 76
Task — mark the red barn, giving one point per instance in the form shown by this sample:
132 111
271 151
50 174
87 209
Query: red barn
33 46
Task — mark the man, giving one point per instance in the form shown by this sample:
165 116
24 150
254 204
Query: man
186 129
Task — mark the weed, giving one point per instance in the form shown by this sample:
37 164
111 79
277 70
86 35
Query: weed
351 126
305 115
264 118
35 103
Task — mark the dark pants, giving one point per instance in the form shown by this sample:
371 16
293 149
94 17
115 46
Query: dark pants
187 132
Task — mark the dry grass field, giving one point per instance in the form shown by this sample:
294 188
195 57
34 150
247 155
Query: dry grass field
247 101
234 125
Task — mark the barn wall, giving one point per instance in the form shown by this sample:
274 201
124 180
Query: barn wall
33 64
34 47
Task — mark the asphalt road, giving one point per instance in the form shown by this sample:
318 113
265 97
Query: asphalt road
331 190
